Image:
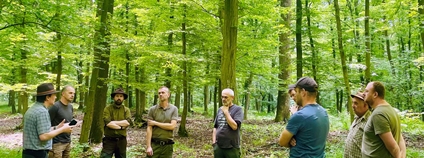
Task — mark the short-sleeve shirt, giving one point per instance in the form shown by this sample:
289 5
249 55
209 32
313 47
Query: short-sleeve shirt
310 127
382 120
226 137
58 112
36 122
353 142
116 113
159 114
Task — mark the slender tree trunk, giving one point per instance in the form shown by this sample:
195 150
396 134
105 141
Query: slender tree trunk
12 102
284 64
138 113
311 42
343 57
247 96
367 43
182 132
299 59
421 11
79 90
93 118
59 65
205 99
178 97
229 46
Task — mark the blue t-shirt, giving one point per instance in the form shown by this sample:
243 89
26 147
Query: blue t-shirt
309 127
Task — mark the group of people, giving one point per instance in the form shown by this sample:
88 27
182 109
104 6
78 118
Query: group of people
375 131
47 125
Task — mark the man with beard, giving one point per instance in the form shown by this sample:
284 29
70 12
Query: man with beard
226 131
382 133
309 126
62 110
162 120
117 118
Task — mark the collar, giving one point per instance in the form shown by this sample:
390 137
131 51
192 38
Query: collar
365 116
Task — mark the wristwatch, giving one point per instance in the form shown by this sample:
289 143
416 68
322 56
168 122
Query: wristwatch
54 127
121 127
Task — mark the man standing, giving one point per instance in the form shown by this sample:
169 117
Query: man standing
162 120
62 110
226 131
37 132
309 126
117 118
354 138
382 133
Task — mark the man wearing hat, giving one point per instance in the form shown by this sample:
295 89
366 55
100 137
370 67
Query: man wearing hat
37 132
309 126
354 138
117 118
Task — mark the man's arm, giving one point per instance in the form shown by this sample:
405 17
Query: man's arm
285 138
391 144
402 147
149 150
166 126
214 136
118 124
47 136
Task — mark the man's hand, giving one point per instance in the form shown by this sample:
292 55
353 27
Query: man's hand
294 109
61 124
151 123
66 128
293 142
224 109
149 151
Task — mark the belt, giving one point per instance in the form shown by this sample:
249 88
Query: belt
115 138
162 141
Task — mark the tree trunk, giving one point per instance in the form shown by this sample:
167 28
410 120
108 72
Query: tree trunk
299 71
367 43
12 102
205 99
138 113
182 132
59 66
94 111
79 90
247 96
343 57
178 97
229 46
311 42
284 64
421 11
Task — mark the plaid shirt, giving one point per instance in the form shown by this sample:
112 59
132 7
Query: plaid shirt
354 138
36 122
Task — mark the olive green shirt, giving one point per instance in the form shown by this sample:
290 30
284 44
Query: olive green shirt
116 113
382 120
159 114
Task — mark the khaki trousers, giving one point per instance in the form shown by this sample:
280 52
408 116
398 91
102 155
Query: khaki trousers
60 150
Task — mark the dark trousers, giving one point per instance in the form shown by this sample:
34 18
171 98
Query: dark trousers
112 145
225 153
28 153
161 150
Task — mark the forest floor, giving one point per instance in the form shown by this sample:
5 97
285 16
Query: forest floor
258 139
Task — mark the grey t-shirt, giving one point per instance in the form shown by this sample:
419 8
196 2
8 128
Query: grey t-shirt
225 136
58 112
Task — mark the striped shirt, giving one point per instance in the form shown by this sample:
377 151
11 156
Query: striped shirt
354 138
36 122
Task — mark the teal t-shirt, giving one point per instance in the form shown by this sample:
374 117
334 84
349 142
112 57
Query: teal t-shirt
310 127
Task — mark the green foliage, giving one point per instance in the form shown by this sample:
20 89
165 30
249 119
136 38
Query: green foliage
11 153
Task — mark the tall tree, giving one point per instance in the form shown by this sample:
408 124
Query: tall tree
299 66
182 131
100 72
421 18
343 57
229 45
284 62
367 42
